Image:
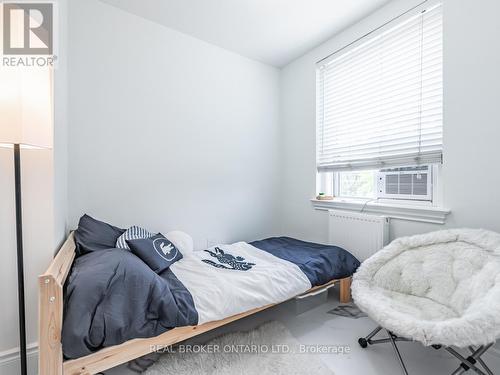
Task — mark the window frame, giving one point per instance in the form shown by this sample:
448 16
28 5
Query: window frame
413 210
437 193
329 183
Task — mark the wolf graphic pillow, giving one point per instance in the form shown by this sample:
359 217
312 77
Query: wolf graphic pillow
157 252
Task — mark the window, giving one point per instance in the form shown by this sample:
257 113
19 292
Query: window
356 184
380 105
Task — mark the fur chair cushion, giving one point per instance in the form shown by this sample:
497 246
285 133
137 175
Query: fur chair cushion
438 288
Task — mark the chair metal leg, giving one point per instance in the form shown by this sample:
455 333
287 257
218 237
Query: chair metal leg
364 341
398 354
480 360
373 333
382 341
469 363
472 362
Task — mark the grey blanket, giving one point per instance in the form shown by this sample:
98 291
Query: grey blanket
112 296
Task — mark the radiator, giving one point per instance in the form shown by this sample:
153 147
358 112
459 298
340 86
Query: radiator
360 234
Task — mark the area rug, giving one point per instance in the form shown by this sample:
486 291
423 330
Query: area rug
269 349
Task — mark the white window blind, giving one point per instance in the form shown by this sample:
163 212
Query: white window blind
381 103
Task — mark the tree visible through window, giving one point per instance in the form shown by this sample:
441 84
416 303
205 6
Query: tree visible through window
359 184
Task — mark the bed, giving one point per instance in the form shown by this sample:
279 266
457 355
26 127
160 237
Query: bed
116 308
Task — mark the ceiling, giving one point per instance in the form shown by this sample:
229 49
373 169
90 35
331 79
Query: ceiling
274 32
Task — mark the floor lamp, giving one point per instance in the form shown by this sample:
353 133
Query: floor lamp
25 122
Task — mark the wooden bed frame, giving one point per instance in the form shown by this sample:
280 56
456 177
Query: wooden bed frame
51 301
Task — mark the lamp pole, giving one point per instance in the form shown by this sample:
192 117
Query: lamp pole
20 260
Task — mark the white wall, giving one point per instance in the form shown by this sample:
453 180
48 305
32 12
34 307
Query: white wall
471 128
61 129
472 112
37 192
169 132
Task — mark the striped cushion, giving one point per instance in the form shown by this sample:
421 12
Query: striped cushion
132 233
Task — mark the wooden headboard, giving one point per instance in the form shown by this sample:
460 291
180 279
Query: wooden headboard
50 309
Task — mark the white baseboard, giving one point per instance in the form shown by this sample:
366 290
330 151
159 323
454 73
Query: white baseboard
10 363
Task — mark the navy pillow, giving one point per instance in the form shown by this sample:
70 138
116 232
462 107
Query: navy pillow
94 235
157 252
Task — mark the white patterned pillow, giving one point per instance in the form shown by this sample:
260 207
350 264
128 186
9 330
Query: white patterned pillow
132 233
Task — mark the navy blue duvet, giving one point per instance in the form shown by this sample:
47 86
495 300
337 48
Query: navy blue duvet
320 263
111 296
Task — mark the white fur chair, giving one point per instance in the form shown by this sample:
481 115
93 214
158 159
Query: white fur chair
441 289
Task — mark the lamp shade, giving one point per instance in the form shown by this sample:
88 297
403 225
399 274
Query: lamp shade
26 106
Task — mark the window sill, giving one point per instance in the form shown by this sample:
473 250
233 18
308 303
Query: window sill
413 212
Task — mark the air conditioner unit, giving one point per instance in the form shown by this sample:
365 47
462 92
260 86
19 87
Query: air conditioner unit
405 183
